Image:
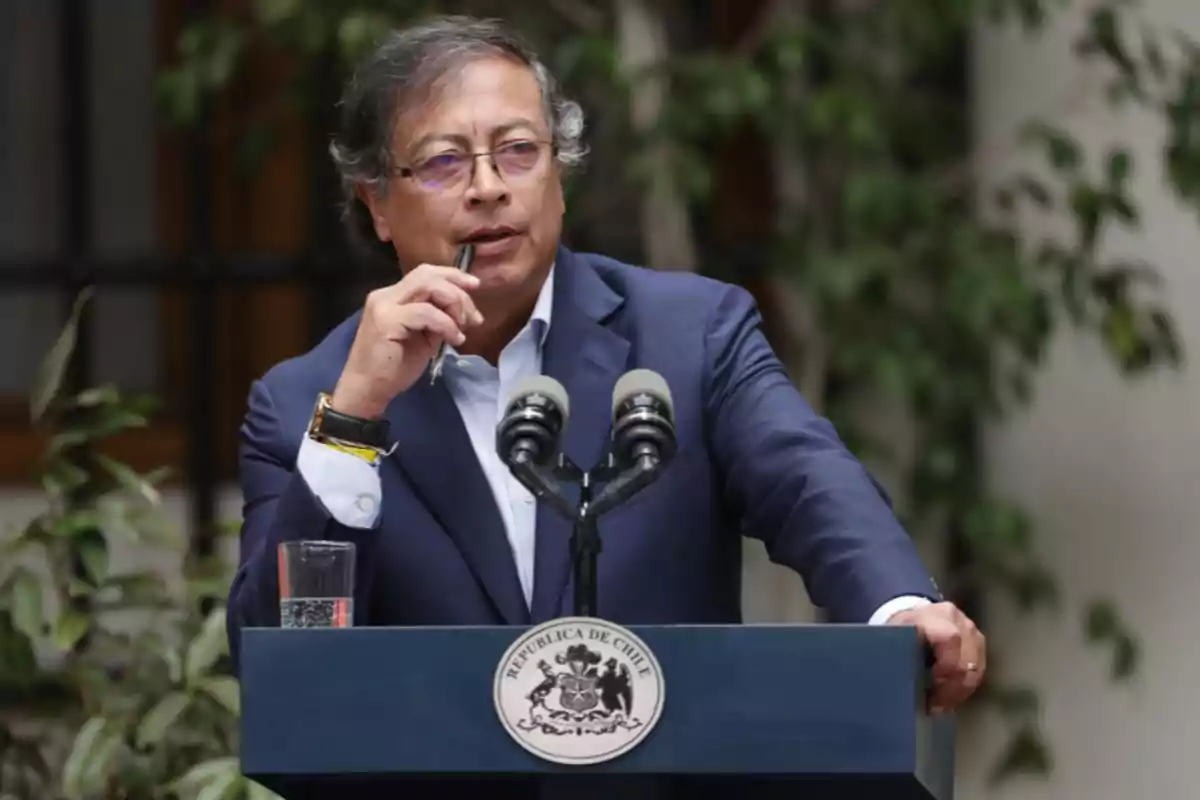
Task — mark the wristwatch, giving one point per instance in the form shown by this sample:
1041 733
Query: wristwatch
333 427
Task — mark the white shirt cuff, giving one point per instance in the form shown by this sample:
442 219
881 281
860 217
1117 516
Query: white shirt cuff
346 485
895 606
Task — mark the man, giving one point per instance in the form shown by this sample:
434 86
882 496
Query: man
454 133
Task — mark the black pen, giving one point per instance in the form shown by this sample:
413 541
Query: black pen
462 264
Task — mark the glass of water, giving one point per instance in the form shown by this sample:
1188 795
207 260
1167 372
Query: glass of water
316 584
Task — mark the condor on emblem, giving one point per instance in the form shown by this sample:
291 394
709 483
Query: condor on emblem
578 690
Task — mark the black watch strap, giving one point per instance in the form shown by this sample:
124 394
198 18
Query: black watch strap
343 428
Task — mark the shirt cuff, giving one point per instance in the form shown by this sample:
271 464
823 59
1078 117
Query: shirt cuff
346 485
895 606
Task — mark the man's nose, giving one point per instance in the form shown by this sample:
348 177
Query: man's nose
487 185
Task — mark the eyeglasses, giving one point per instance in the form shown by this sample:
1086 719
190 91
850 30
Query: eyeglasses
447 170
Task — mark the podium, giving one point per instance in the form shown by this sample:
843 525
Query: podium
813 711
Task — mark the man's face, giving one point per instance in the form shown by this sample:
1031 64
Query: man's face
510 205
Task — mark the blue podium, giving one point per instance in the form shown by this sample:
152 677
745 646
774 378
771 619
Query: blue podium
813 711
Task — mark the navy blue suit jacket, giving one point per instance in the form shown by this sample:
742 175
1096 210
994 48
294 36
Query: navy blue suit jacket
753 459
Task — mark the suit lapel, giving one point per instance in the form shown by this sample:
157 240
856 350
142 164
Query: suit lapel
587 358
435 452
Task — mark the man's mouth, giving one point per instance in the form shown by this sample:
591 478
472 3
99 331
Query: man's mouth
485 235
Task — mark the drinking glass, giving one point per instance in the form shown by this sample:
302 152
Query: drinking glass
316 584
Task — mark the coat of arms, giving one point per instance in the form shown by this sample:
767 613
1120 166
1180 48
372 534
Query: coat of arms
586 697
591 685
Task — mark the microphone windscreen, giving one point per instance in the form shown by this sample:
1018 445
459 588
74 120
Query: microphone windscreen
642 381
543 385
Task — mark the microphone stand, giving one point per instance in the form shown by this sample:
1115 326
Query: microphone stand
547 484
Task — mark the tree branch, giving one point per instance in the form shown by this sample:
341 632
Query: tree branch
641 46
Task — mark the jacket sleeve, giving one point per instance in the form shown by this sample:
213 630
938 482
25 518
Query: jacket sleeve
279 505
794 484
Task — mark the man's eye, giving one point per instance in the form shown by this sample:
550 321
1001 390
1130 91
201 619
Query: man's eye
442 160
520 147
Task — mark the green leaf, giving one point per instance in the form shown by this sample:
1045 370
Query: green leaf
1103 626
1061 149
1101 621
1014 701
62 477
54 367
225 45
160 718
27 614
129 479
1153 55
75 523
208 646
358 31
225 691
98 396
1126 656
103 423
137 589
997 530
174 662
1036 191
1119 164
1033 587
204 774
91 759
178 94
223 787
256 791
274 12
18 662
93 552
70 628
1026 754
1106 38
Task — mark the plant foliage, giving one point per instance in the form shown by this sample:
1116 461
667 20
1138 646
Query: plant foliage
113 685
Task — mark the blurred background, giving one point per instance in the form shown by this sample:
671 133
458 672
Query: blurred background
972 227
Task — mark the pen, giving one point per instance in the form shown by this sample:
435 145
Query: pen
462 264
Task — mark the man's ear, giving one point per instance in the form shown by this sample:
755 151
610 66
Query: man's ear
375 205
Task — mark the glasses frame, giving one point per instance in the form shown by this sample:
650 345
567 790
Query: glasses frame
409 170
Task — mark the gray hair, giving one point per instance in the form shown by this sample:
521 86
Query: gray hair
404 69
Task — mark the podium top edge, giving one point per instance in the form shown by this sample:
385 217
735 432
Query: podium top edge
846 626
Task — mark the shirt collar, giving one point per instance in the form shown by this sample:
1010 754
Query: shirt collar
539 320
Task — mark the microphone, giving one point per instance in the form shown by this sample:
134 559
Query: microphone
533 422
643 418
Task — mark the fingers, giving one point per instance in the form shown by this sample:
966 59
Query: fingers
445 287
398 308
426 318
947 645
453 300
972 662
960 654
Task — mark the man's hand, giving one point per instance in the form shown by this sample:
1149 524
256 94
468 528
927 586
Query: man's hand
959 650
400 330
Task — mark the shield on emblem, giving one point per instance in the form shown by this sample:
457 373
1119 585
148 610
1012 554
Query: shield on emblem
578 693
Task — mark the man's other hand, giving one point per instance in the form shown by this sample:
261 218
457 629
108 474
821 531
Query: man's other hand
959 650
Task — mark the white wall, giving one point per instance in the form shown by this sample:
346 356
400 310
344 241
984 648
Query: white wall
1110 469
